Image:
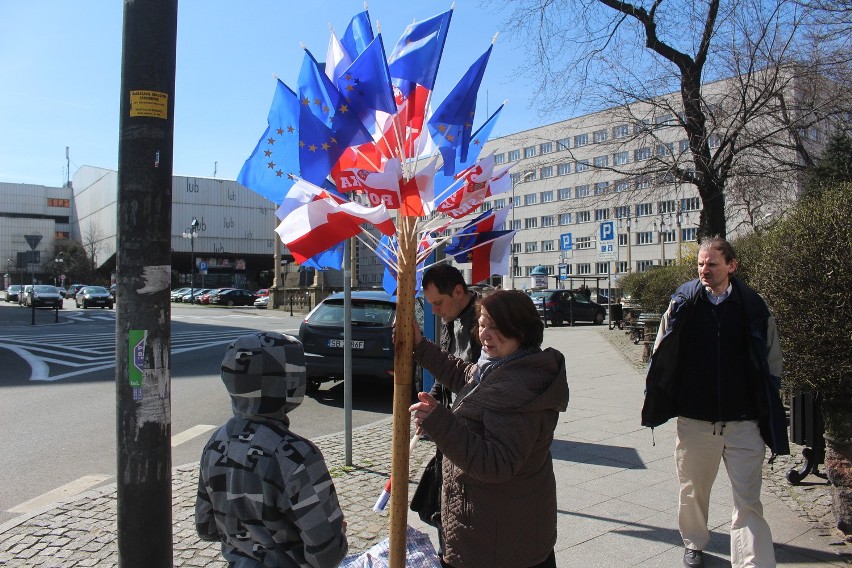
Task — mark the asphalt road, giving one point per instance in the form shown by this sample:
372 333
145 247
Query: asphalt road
57 409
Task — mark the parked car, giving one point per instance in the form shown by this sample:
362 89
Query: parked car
262 292
43 296
112 292
73 289
176 295
193 295
13 292
90 296
22 297
262 303
321 334
234 297
205 297
561 306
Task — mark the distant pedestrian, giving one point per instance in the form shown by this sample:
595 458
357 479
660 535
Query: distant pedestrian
263 491
498 501
716 366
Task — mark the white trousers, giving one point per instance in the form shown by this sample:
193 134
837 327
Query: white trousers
700 446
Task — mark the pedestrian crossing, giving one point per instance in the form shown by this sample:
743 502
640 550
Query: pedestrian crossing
57 356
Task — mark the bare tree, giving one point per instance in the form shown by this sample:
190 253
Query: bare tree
93 243
745 98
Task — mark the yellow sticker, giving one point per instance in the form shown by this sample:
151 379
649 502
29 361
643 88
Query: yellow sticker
149 103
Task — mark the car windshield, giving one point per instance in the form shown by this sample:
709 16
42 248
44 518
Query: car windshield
43 289
363 313
14 287
94 290
540 295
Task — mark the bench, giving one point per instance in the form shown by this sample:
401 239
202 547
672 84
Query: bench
636 332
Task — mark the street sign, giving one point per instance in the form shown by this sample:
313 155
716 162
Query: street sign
33 240
202 267
566 242
607 245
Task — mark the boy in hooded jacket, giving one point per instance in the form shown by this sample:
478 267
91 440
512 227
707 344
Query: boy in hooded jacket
263 491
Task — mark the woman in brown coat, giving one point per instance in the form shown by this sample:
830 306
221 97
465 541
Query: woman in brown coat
498 501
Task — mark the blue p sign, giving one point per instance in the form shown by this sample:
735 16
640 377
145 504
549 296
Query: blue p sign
607 231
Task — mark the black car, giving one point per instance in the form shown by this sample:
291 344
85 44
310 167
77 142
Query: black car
321 334
13 292
234 297
93 296
561 306
44 296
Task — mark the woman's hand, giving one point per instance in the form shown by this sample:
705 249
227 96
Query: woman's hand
420 411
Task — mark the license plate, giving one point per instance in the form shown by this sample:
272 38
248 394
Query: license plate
356 344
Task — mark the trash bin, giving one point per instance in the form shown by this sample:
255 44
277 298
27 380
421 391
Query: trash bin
616 316
651 323
806 429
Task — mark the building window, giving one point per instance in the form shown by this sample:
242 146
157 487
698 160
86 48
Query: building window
600 161
689 234
622 211
485 206
529 152
582 166
601 187
641 127
641 154
644 265
665 150
545 147
61 235
583 243
531 223
563 143
621 158
584 268
584 216
514 155
529 175
668 236
690 204
622 239
567 270
621 131
548 246
581 140
547 196
644 209
622 185
563 169
663 120
54 202
548 221
564 193
546 172
645 238
581 191
499 158
602 267
599 136
621 266
516 248
683 146
499 203
516 225
601 214
643 182
516 201
530 199
531 246
714 141
668 206
564 218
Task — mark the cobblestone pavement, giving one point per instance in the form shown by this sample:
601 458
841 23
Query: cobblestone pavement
82 532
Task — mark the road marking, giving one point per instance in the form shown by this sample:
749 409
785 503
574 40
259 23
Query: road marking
60 493
188 435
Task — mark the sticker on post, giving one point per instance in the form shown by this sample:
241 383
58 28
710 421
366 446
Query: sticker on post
136 373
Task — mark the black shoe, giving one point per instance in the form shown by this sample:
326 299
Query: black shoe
693 558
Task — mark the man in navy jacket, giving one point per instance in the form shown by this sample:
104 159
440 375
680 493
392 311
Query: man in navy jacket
716 366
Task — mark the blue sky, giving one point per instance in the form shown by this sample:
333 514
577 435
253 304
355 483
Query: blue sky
61 68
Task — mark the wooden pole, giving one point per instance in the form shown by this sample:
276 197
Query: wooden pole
403 371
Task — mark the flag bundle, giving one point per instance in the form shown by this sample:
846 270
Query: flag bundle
356 140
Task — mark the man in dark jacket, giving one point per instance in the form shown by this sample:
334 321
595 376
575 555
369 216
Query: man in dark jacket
263 491
716 366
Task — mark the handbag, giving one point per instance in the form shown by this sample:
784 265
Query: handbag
426 500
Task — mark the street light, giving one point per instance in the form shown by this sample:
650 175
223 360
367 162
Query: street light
662 240
190 233
58 263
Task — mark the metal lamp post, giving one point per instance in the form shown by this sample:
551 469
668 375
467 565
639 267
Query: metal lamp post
190 234
629 264
679 234
58 262
662 241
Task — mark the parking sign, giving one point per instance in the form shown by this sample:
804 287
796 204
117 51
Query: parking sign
607 245
566 242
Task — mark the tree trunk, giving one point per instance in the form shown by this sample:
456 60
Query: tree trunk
837 415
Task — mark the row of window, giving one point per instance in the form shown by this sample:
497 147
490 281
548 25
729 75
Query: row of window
586 268
620 212
586 243
598 136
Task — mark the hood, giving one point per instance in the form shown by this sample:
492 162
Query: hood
265 375
535 382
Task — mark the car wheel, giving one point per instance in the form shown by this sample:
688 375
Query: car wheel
599 318
231 303
557 319
110 306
